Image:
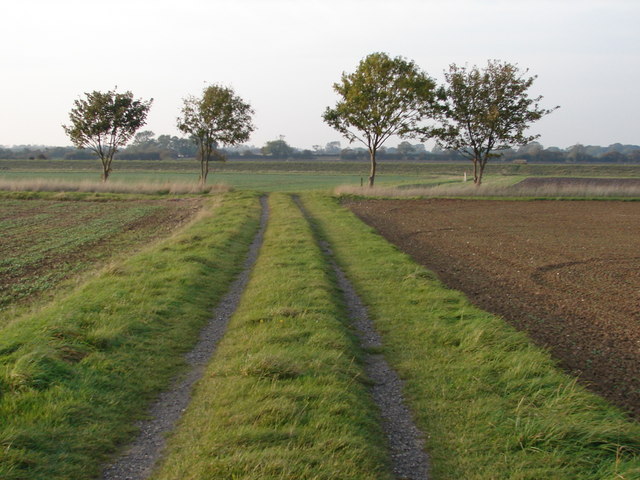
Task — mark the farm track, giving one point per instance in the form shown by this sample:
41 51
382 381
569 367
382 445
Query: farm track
142 455
405 441
564 272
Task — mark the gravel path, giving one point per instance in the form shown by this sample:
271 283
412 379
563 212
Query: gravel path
405 441
139 459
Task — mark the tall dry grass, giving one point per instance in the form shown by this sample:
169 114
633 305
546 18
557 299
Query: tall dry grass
54 185
468 189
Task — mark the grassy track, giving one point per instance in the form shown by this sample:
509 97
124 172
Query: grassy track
493 405
284 396
75 376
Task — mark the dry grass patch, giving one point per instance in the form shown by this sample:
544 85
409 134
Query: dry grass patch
53 185
537 187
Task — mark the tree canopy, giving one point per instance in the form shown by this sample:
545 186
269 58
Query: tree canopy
218 117
487 110
278 148
384 97
105 121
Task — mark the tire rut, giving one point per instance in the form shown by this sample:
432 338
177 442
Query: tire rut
139 459
405 441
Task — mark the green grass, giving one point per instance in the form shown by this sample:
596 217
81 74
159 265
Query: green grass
74 376
284 397
493 405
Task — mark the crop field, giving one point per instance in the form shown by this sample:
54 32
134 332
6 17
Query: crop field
567 273
43 241
269 176
260 181
286 393
359 167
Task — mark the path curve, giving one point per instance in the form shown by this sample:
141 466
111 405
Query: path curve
138 461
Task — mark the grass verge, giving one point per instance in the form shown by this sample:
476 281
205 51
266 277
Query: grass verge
284 397
493 405
75 375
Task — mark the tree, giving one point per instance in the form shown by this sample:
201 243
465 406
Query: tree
277 149
219 117
577 153
104 122
332 148
486 111
184 147
144 138
384 97
405 149
164 141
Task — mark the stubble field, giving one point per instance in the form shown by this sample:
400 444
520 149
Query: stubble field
565 272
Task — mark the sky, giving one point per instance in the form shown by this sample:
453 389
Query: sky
283 56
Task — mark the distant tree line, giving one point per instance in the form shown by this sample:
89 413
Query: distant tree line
532 152
146 146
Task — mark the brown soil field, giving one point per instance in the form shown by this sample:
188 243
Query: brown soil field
568 273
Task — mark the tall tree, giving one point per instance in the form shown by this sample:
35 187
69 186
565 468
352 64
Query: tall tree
278 148
104 122
219 117
384 97
487 110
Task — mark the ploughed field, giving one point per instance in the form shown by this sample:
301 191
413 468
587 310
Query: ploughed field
568 273
44 241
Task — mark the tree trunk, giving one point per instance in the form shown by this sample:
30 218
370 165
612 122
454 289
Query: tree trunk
204 170
372 173
476 177
106 169
482 165
205 154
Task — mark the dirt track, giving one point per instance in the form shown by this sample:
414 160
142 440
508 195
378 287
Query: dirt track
566 272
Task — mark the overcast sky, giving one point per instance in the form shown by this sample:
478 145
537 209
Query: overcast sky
282 56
